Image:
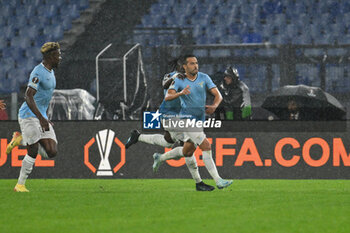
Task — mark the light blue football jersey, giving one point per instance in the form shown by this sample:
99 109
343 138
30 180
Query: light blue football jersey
193 104
44 82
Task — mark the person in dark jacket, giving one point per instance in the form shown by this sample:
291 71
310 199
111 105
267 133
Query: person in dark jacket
236 103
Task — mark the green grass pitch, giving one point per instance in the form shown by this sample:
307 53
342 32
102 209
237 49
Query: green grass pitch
173 205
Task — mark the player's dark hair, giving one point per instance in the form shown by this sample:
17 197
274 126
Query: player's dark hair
176 64
184 62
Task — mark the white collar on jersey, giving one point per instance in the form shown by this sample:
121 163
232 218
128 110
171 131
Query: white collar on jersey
45 67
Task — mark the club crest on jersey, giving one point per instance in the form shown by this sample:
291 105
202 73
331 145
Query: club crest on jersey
35 80
201 83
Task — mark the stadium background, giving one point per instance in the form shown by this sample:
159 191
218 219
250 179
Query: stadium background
272 43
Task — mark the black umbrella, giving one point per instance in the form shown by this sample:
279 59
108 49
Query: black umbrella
313 102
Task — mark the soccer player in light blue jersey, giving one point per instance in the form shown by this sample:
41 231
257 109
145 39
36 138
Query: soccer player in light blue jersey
192 92
169 109
38 134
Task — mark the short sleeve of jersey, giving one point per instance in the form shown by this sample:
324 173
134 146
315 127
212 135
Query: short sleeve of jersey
175 85
34 80
210 84
167 77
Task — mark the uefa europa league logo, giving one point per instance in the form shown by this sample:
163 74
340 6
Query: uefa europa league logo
104 140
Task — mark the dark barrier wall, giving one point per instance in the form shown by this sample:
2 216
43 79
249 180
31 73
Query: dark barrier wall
306 150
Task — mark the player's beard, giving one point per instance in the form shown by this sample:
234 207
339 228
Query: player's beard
194 72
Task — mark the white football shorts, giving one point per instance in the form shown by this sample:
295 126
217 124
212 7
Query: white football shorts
196 137
176 136
32 131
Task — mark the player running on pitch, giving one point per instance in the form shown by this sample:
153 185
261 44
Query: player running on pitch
192 92
171 108
37 131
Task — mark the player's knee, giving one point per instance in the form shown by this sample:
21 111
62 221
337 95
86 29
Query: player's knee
51 153
208 147
32 150
205 146
188 152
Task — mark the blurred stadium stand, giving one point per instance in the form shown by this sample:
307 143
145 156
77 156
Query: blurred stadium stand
255 20
272 42
26 25
304 32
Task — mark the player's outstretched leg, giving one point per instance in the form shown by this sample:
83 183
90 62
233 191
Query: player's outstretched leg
16 141
152 139
134 137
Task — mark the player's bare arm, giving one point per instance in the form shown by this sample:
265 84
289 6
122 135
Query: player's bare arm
210 109
29 97
172 94
2 105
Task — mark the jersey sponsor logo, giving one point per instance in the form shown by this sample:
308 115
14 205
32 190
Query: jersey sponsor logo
151 120
106 143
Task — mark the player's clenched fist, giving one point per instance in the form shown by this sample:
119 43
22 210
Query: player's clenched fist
210 109
186 90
